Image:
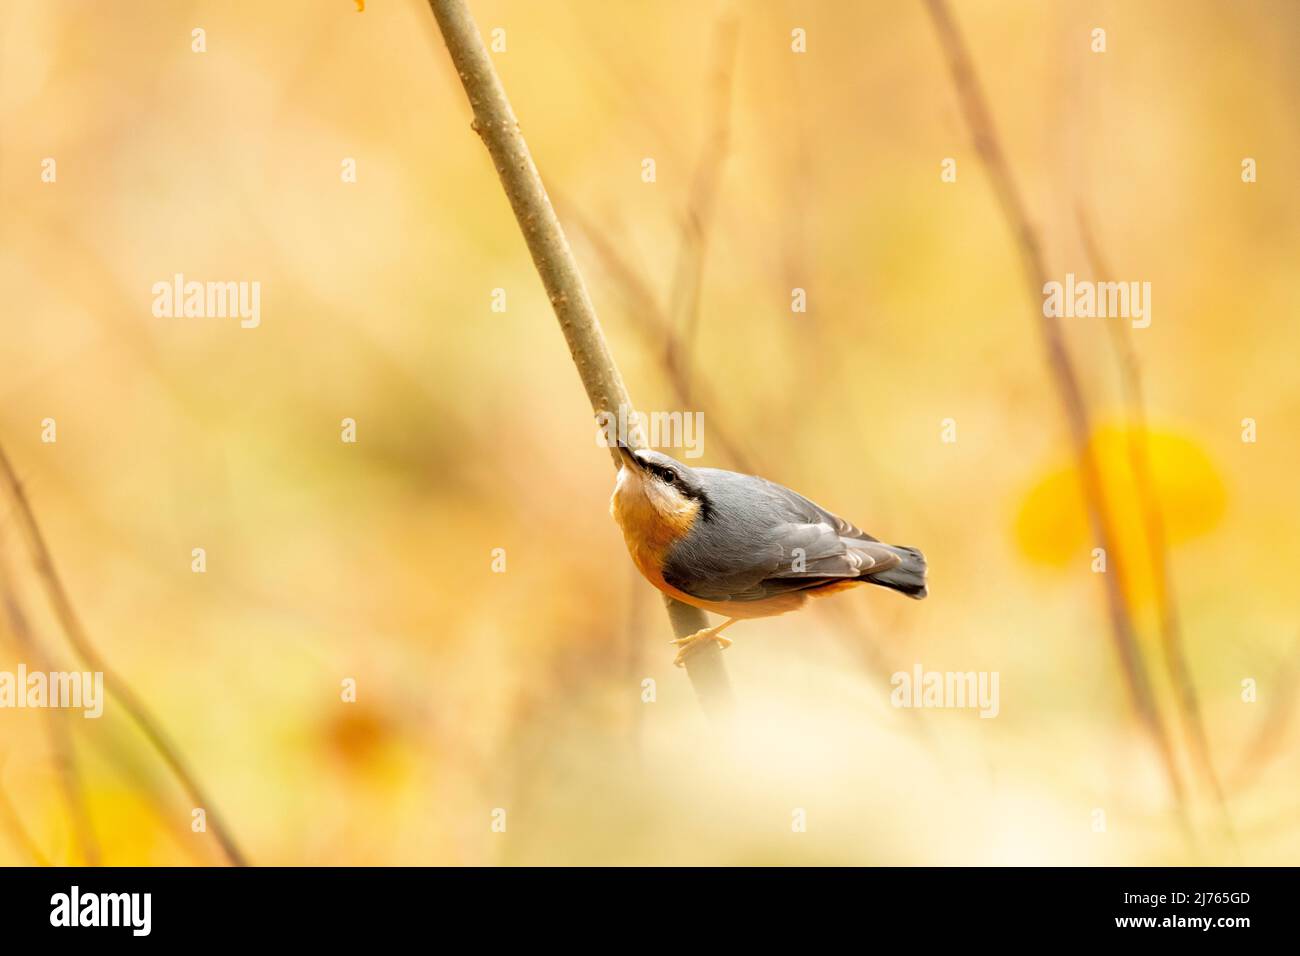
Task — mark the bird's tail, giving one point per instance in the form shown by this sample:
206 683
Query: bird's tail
907 576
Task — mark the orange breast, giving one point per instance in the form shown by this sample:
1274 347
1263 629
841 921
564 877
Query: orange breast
650 535
649 553
649 532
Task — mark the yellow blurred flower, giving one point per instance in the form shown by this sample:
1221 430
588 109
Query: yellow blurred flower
130 830
367 745
1052 527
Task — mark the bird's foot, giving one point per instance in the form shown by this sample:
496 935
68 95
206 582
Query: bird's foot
687 645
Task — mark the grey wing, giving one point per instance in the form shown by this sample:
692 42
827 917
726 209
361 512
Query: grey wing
811 511
769 541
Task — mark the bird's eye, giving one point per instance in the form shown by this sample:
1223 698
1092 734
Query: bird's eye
667 477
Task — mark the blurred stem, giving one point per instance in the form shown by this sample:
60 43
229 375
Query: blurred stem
980 122
114 684
653 322
1180 673
61 742
495 123
689 275
1283 697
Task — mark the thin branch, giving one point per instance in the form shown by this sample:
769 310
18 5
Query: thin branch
689 276
1139 454
61 743
114 684
655 325
980 122
495 122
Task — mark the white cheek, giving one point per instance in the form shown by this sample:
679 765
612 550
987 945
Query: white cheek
661 498
628 485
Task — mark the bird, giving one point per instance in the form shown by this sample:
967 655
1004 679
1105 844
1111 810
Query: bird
742 546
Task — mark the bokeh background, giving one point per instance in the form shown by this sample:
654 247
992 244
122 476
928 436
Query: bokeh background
523 690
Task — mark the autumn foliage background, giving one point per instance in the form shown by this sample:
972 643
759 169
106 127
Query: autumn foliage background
523 690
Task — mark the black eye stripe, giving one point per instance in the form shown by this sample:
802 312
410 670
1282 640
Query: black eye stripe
662 473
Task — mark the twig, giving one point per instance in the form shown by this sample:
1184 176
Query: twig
980 122
114 684
1139 454
655 323
495 123
61 743
689 275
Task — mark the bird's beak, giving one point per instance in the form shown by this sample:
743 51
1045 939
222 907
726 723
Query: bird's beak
629 459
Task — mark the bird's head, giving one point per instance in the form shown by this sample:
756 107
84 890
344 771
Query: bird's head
657 497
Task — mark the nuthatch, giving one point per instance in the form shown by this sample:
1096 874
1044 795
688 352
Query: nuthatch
742 546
